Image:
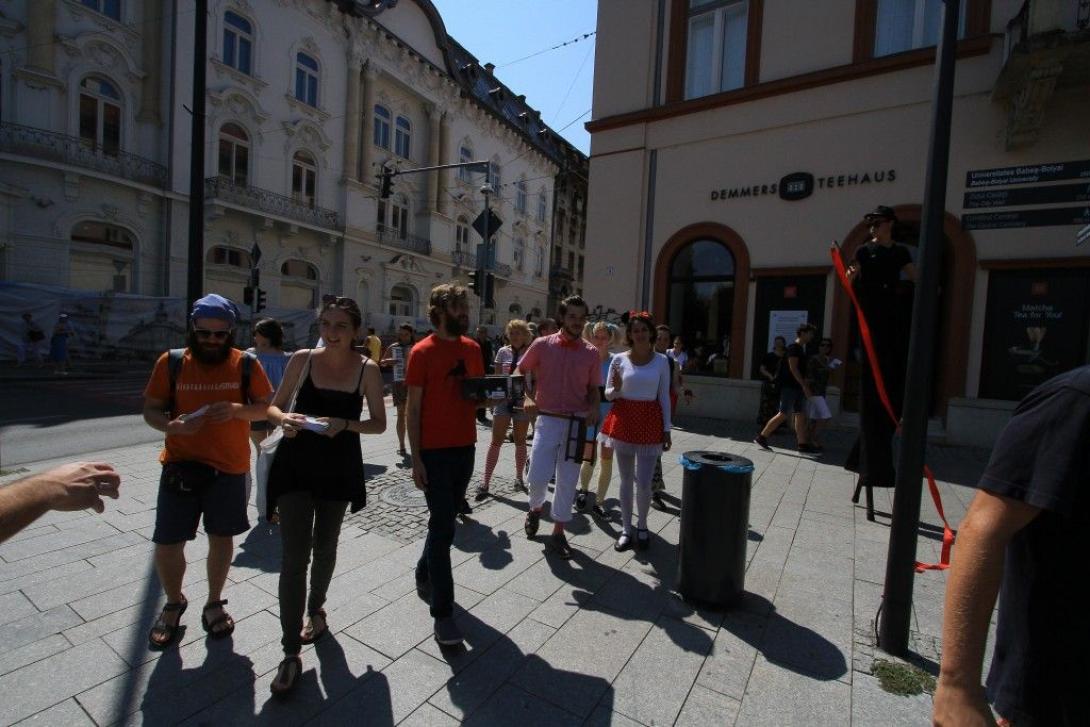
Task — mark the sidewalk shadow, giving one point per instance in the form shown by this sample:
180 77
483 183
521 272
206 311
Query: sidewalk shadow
261 549
174 691
372 470
493 547
494 682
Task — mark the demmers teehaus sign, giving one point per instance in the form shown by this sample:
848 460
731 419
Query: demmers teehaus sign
801 185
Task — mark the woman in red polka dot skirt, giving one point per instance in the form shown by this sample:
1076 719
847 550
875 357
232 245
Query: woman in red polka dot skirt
638 425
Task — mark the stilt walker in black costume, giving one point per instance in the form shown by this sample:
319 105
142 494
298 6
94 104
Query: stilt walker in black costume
882 276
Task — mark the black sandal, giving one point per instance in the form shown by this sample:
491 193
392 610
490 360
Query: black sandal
481 494
288 662
315 635
223 618
162 627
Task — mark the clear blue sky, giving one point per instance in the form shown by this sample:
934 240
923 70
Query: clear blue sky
559 82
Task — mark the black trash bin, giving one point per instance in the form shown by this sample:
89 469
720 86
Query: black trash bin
714 527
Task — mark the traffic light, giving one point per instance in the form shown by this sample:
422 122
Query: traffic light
489 300
386 180
475 282
260 299
248 295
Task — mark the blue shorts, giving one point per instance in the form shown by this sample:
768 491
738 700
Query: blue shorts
222 503
792 400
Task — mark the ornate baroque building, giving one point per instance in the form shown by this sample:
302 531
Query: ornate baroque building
307 101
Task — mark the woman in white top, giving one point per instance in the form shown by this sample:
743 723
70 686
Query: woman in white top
638 425
507 359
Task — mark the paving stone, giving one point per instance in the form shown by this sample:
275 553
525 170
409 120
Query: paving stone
671 648
91 582
582 658
398 627
778 696
14 606
389 696
128 594
482 626
65 714
498 564
730 661
707 707
55 573
470 687
428 716
52 680
872 706
17 658
83 533
514 706
606 717
37 626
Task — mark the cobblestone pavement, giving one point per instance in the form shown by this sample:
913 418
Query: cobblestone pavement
601 639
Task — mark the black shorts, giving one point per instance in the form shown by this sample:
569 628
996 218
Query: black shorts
222 503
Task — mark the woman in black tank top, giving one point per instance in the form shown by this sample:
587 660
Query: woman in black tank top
318 471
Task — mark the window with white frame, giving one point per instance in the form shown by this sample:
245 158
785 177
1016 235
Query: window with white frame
496 175
403 132
465 155
542 206
109 8
716 54
238 42
306 79
902 25
230 256
539 262
234 154
304 178
519 253
520 197
399 216
461 235
401 301
382 126
100 115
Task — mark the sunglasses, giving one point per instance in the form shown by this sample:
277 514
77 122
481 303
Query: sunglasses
218 335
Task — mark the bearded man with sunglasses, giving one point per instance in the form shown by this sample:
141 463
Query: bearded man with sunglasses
204 398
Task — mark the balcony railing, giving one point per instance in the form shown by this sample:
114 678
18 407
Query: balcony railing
464 259
395 238
51 146
263 200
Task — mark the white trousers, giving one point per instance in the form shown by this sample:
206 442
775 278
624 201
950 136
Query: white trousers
547 460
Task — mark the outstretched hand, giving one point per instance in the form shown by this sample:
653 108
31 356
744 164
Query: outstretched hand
81 485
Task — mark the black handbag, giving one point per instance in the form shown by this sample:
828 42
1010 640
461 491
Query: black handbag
188 477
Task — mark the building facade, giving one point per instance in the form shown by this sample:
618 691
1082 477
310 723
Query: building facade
749 135
569 229
307 102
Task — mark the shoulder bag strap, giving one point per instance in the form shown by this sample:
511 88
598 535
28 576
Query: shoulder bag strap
299 384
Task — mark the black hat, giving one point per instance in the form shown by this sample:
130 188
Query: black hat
881 212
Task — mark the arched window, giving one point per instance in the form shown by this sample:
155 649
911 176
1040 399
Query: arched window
542 206
298 284
109 8
403 137
461 234
520 197
229 256
382 126
304 175
402 301
238 42
465 155
234 154
228 271
306 79
100 115
101 257
700 300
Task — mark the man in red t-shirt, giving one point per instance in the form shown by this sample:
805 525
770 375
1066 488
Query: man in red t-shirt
443 438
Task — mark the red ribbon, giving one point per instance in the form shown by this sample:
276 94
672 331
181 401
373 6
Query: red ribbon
880 384
637 313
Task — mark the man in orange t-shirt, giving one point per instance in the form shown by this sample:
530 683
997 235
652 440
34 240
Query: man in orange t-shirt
206 459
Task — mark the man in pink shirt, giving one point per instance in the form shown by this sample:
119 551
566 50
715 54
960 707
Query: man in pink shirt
567 376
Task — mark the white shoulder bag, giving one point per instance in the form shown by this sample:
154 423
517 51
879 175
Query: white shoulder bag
266 451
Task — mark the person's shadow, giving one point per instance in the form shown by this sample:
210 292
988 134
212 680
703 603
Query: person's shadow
261 549
173 691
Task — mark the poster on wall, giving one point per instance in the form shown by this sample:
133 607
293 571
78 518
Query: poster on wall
785 323
1037 327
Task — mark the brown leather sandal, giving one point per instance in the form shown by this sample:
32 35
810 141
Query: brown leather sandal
286 685
224 618
168 631
309 635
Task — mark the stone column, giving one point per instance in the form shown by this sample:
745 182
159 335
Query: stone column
151 41
352 119
370 76
434 158
41 34
445 158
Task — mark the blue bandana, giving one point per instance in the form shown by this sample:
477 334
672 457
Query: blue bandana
215 306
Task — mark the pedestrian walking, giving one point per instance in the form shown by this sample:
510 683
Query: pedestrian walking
507 360
794 393
58 344
603 336
269 349
1024 539
31 342
485 343
882 276
770 372
663 340
818 368
204 398
317 472
565 397
397 358
638 425
443 437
